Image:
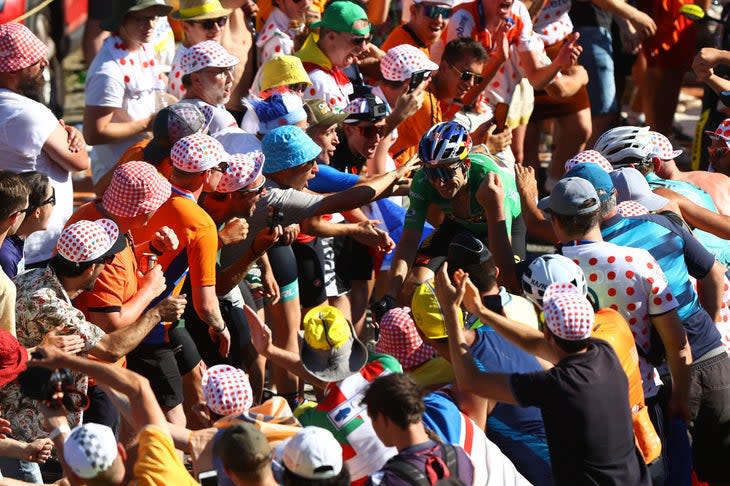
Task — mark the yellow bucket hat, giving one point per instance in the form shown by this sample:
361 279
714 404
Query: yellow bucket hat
427 312
281 71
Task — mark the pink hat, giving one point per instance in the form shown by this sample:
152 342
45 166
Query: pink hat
400 62
136 188
590 156
243 169
400 339
662 147
568 314
722 132
226 390
207 54
88 241
198 153
19 48
631 208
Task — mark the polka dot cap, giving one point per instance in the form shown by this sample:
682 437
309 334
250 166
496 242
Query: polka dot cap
136 188
631 208
227 390
243 169
722 132
86 241
589 156
662 147
197 153
402 61
19 48
207 54
359 109
399 338
568 314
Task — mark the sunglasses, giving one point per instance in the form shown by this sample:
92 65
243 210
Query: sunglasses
358 41
434 11
254 190
467 76
372 131
210 23
51 200
441 173
222 167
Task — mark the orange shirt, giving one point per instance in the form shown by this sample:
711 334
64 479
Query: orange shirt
136 152
399 36
411 130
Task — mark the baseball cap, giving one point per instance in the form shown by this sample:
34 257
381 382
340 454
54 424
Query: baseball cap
90 449
197 153
427 313
281 71
399 338
278 110
120 8
286 147
571 196
588 156
243 447
662 147
90 241
330 349
568 314
400 62
594 174
343 16
722 132
465 251
136 188
226 390
366 108
200 10
632 186
19 48
319 114
13 357
173 123
207 54
313 453
243 169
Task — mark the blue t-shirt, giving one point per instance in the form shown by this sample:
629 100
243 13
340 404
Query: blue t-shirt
329 179
679 255
716 245
518 431
11 254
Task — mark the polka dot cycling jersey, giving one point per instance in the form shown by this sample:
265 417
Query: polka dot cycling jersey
631 282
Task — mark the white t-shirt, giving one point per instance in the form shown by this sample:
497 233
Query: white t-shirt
629 281
25 126
276 38
553 22
125 80
174 81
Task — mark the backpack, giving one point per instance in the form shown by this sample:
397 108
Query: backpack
437 471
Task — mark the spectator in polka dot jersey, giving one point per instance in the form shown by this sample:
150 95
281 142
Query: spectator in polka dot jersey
283 25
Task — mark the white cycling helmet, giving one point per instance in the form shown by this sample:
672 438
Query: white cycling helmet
621 143
549 269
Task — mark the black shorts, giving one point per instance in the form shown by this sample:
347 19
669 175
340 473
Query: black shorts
310 267
157 363
433 251
352 260
101 409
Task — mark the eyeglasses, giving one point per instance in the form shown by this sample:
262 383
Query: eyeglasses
310 164
371 131
297 87
208 24
254 190
218 71
23 211
51 200
467 76
142 19
441 173
358 41
222 167
433 11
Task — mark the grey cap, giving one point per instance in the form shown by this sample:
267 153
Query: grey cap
632 186
571 196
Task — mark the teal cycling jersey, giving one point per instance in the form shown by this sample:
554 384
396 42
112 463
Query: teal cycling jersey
423 194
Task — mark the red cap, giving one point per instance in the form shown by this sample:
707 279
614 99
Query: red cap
13 357
19 48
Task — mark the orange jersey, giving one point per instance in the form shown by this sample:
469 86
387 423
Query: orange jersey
400 35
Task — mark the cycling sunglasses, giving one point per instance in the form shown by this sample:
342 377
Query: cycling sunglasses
433 12
441 173
208 24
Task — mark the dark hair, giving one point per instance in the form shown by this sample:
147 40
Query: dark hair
66 268
570 346
38 184
397 397
578 225
13 194
186 80
643 165
292 479
464 47
483 275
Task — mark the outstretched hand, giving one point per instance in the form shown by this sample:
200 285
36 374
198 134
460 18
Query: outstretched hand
447 294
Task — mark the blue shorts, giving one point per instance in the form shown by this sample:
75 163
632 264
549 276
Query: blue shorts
597 59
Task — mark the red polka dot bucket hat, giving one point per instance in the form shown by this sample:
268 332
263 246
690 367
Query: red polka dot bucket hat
243 170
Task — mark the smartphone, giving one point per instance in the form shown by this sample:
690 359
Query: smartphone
208 478
275 217
725 98
500 116
417 78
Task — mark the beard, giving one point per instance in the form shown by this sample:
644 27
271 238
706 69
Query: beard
32 86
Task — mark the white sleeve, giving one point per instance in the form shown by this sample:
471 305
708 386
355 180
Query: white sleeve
103 88
461 24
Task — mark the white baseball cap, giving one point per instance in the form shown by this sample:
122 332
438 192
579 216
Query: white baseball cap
90 449
313 453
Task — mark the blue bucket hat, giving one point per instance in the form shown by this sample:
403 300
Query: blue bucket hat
286 147
596 175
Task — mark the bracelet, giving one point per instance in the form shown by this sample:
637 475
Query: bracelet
61 429
225 326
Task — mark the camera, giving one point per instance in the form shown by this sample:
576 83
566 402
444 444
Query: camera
55 388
